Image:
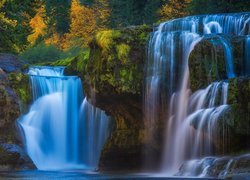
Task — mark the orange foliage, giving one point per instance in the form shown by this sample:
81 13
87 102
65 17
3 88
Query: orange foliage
174 9
82 26
37 23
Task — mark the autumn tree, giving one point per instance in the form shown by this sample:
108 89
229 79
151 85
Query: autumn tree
174 9
38 25
82 25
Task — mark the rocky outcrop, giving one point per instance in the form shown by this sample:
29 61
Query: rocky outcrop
11 63
218 167
207 64
114 83
14 95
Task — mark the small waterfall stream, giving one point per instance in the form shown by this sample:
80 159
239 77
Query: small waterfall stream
192 117
60 133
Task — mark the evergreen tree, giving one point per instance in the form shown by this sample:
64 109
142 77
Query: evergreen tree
58 13
15 36
222 6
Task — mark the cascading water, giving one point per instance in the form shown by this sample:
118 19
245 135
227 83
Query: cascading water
168 76
247 57
57 135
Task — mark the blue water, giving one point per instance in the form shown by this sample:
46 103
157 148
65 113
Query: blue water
62 130
83 175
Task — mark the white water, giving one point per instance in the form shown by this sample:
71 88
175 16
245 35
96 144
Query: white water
56 128
168 77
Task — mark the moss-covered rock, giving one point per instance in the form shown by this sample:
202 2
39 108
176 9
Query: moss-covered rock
114 83
14 94
117 60
74 66
207 63
19 82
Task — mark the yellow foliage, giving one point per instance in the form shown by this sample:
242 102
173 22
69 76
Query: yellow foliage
83 25
4 20
105 38
123 52
174 9
37 23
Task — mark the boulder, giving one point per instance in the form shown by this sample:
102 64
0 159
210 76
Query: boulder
11 63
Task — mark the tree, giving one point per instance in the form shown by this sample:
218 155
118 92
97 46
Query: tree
82 24
222 6
6 25
150 15
15 17
174 9
58 13
102 13
38 25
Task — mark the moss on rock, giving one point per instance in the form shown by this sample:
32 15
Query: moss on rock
207 63
74 65
114 83
19 82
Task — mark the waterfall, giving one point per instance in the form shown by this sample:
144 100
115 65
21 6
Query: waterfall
247 57
55 128
192 117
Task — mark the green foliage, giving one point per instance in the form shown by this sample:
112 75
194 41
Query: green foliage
14 27
74 65
123 52
105 38
20 84
215 6
116 60
58 13
133 12
42 53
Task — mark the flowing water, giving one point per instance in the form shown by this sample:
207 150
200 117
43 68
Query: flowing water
62 130
247 57
192 117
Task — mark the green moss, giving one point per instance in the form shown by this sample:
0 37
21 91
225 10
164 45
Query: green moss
123 52
105 39
207 64
116 60
19 82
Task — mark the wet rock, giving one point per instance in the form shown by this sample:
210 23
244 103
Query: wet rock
14 88
11 63
14 157
207 63
221 167
239 167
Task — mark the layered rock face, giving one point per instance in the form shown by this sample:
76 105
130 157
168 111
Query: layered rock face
14 96
207 64
114 83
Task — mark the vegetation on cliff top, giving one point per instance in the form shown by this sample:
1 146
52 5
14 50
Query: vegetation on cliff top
116 60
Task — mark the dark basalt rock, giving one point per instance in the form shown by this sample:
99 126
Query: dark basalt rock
11 63
14 157
14 91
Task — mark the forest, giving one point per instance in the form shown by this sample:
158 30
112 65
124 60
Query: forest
47 30
124 89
